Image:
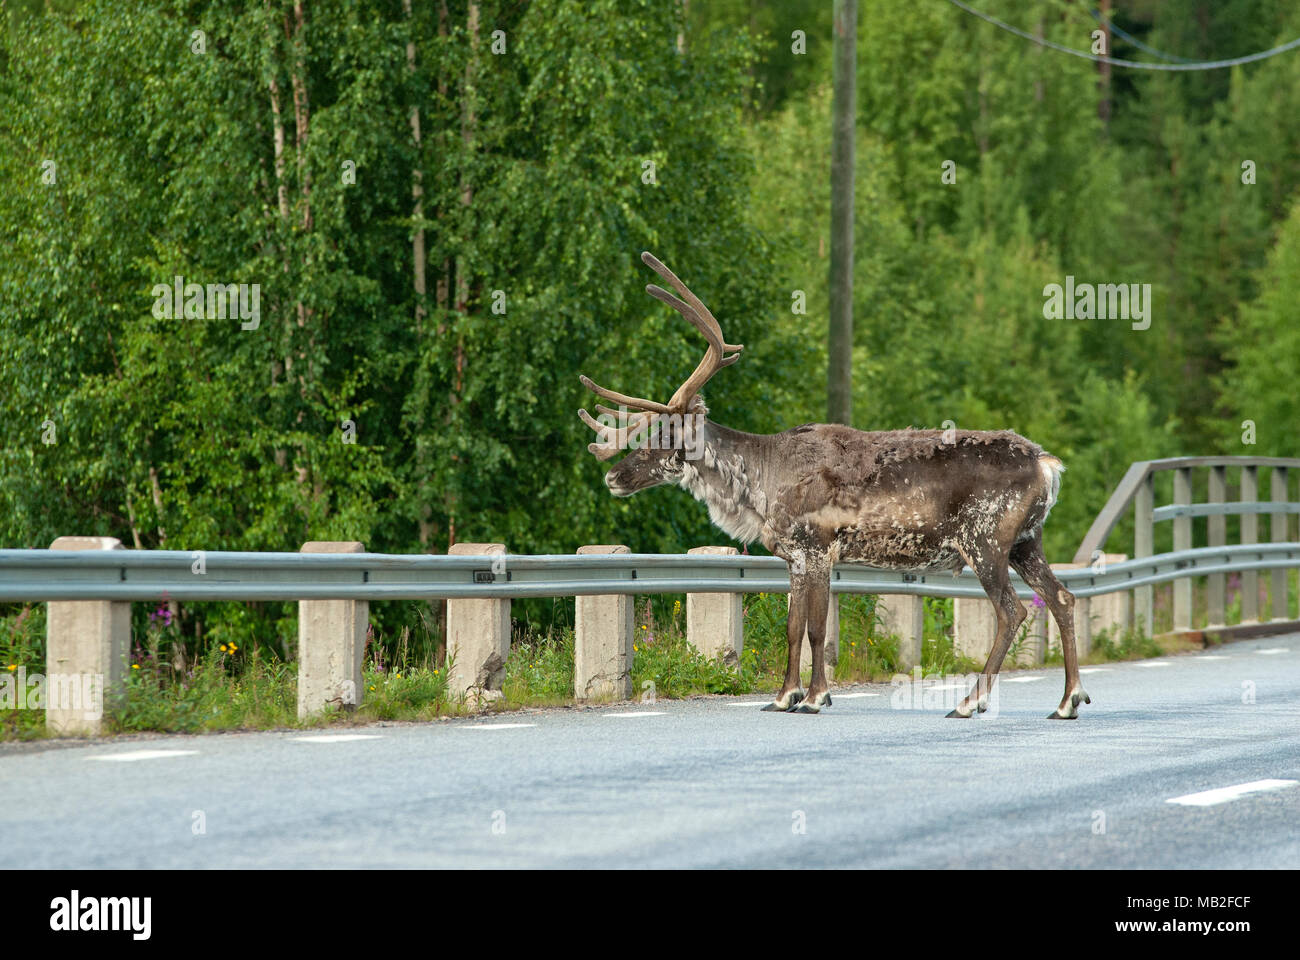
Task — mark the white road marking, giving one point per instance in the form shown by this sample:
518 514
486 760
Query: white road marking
143 755
1275 650
750 703
1152 663
337 737
639 713
1211 656
944 686
1094 669
852 696
1208 798
496 726
1021 679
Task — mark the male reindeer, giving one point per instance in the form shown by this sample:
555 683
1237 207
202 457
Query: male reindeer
822 493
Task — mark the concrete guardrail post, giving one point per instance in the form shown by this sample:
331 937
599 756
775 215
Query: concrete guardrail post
974 627
602 641
1110 612
88 644
331 644
478 633
831 648
903 615
715 621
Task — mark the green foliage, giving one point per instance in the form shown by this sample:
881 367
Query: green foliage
233 165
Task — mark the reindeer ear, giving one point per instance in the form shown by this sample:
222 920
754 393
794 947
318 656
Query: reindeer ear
698 406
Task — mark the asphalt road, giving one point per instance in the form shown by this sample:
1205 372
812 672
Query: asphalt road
711 782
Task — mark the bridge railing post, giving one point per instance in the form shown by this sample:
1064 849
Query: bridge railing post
602 641
1183 593
331 644
1144 546
87 648
1216 527
1277 531
478 633
1249 534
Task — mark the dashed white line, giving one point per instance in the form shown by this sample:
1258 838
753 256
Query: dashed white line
750 703
1021 679
852 696
337 737
1274 650
143 755
496 726
1208 798
639 713
1094 669
1211 656
1152 663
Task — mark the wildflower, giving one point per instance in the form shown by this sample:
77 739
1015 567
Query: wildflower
222 648
372 687
399 676
13 667
135 666
1038 602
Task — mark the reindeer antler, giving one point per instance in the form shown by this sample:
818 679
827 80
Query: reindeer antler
716 357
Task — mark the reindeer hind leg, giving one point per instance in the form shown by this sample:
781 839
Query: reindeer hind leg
1010 613
1029 561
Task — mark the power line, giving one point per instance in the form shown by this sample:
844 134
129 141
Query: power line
1136 64
1139 44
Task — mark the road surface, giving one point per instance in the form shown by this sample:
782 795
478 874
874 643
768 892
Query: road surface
712 782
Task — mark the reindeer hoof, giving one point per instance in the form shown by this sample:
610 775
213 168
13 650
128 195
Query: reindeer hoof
957 715
1069 708
813 704
795 697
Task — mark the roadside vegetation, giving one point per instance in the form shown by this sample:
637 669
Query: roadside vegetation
174 688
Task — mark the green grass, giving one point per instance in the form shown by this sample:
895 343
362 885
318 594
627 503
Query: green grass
231 683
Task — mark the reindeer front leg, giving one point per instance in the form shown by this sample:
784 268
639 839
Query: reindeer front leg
810 587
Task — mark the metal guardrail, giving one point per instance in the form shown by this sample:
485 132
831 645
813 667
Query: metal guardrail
131 575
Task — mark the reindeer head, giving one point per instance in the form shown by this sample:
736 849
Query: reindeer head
661 436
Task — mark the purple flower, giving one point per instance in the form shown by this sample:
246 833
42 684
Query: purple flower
1038 602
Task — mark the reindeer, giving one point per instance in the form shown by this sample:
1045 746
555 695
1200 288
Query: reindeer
823 493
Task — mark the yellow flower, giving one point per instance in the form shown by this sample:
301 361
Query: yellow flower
233 647
13 667
399 676
222 648
372 686
135 666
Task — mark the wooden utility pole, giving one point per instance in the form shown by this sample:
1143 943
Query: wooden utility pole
839 367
